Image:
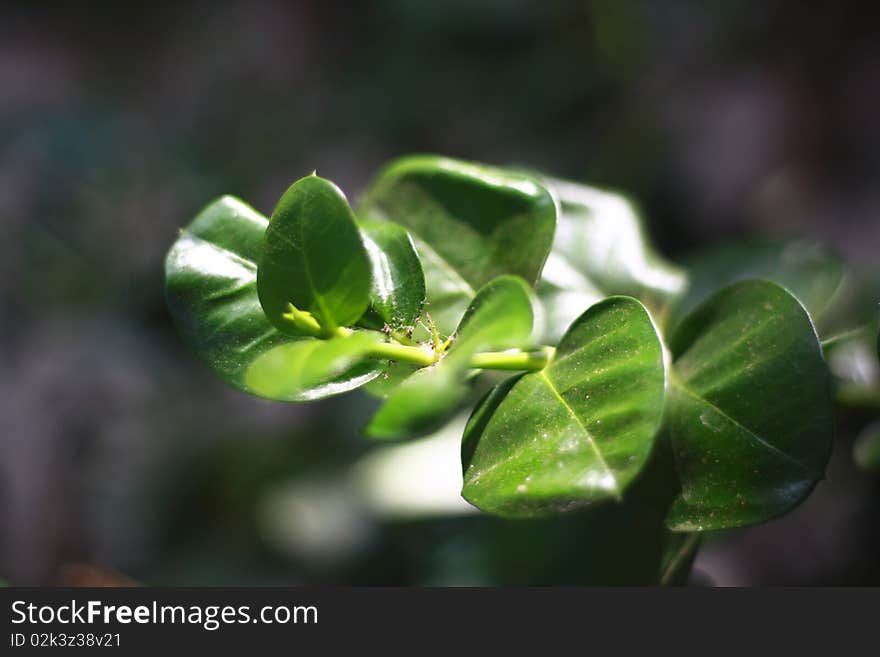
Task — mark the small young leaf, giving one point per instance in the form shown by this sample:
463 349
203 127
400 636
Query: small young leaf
211 288
307 369
750 412
313 257
419 404
470 224
577 432
499 317
398 291
601 235
808 270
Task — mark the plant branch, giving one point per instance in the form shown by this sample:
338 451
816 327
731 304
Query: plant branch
513 360
425 355
414 355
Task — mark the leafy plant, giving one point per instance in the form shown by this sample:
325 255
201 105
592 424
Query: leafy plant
694 397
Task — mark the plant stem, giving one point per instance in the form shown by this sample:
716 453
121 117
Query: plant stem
403 353
513 360
846 335
683 556
489 360
402 338
416 355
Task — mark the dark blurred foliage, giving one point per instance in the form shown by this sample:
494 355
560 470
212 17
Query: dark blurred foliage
119 121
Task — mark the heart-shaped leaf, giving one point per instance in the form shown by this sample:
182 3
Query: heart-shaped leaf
601 235
577 432
806 269
750 412
313 257
298 371
211 287
398 291
499 318
471 223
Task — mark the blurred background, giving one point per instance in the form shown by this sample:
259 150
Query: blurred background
120 450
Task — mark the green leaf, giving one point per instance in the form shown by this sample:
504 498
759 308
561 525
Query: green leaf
750 412
313 257
600 235
808 270
866 450
470 223
398 291
499 318
394 373
211 289
600 249
294 371
577 432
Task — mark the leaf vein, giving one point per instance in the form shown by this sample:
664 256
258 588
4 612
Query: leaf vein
751 434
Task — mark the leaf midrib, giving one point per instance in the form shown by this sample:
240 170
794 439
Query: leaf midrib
543 375
682 386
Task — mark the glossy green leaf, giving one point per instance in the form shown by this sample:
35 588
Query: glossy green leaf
471 223
600 235
866 450
313 257
499 318
808 270
293 371
211 288
577 432
393 374
398 291
750 412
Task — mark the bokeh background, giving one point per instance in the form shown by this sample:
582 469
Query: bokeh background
118 122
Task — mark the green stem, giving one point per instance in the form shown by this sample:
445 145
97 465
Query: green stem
513 360
402 338
489 360
683 556
846 335
413 355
